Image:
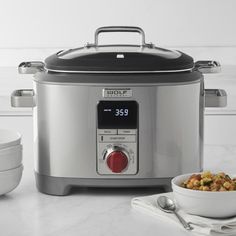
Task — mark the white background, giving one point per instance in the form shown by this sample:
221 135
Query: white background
32 30
60 23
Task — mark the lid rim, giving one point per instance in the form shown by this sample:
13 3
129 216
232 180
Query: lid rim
117 72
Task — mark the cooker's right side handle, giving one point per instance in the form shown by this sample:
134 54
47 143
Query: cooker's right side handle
208 67
23 98
215 98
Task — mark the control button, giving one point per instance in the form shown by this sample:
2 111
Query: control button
126 131
117 138
107 131
117 161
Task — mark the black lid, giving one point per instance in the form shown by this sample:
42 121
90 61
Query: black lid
119 58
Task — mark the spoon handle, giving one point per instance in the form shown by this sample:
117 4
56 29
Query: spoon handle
183 222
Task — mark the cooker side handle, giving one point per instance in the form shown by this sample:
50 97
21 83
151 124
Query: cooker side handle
30 67
208 67
215 98
23 98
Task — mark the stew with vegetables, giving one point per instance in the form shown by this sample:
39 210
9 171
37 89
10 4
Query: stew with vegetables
208 181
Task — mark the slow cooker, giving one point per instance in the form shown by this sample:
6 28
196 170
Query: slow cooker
117 115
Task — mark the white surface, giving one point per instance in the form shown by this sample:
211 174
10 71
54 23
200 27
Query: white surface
9 138
220 129
88 212
213 227
29 23
201 202
10 157
9 179
220 158
85 212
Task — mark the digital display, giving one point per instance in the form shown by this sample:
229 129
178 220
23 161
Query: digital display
117 115
121 112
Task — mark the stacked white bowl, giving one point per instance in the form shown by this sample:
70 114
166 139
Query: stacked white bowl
10 160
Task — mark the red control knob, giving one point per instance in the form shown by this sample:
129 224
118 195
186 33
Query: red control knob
117 161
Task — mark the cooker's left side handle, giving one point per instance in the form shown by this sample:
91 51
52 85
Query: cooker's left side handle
23 98
30 67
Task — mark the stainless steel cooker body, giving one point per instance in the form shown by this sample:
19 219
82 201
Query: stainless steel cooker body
169 132
116 129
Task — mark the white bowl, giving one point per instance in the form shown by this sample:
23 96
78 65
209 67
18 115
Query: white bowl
10 157
9 138
10 179
203 203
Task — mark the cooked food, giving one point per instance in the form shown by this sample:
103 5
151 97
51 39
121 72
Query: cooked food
208 181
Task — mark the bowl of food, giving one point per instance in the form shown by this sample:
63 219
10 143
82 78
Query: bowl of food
206 194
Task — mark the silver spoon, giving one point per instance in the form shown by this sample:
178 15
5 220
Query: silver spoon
167 205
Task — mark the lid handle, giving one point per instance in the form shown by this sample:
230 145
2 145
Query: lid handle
130 29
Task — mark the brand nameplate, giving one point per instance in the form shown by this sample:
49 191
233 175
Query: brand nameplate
116 92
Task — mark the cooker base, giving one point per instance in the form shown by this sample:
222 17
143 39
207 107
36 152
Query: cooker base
61 186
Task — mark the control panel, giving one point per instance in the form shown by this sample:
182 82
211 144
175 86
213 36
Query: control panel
117 137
